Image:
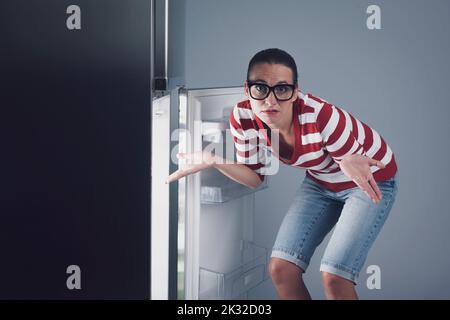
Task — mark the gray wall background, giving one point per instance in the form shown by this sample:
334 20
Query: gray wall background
395 79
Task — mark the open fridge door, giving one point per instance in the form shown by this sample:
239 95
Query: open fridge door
160 217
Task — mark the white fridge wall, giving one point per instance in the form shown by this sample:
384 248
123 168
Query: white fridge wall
222 229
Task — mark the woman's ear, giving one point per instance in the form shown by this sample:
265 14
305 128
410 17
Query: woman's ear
295 95
246 88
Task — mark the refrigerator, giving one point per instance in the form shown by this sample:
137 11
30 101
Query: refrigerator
202 226
75 165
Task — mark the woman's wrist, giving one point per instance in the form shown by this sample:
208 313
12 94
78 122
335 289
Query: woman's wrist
211 160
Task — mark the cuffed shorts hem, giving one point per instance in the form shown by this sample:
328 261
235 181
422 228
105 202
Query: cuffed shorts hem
276 253
339 270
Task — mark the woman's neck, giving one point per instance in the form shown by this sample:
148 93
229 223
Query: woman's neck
286 129
289 130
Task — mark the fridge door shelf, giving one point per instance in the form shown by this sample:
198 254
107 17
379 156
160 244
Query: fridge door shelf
235 283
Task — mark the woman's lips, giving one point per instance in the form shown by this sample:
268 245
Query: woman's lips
270 112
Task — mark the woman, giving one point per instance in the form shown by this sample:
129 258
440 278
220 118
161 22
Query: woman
351 175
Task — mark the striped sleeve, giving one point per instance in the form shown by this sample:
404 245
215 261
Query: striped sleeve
336 128
248 145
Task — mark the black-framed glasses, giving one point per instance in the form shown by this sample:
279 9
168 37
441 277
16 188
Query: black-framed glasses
260 91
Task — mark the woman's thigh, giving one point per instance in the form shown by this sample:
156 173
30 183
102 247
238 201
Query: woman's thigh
308 220
357 228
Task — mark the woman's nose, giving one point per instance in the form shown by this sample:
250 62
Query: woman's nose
271 98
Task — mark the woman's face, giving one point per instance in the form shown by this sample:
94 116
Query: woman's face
276 114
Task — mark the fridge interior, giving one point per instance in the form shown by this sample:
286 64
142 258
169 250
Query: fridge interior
216 256
227 263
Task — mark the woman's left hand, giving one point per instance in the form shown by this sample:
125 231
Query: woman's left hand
357 168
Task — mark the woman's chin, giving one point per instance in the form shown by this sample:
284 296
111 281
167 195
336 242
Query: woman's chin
269 120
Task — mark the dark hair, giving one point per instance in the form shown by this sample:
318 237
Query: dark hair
273 56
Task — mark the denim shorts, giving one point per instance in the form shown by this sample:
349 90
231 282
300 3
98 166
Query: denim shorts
316 210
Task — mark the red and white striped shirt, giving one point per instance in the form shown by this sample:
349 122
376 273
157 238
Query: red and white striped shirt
324 134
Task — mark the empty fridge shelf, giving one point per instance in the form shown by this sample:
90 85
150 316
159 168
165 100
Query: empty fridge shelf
226 192
217 188
236 282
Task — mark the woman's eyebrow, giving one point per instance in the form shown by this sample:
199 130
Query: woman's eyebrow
258 80
261 80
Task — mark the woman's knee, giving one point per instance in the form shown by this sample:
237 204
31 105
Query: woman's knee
281 270
332 281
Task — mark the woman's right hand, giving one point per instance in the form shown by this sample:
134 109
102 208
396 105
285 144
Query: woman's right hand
195 161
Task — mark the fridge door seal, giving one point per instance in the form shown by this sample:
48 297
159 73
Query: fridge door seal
173 199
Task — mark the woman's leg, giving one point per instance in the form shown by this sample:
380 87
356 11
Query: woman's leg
359 224
310 217
287 279
338 288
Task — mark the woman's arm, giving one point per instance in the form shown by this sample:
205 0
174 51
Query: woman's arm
342 145
198 161
238 172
